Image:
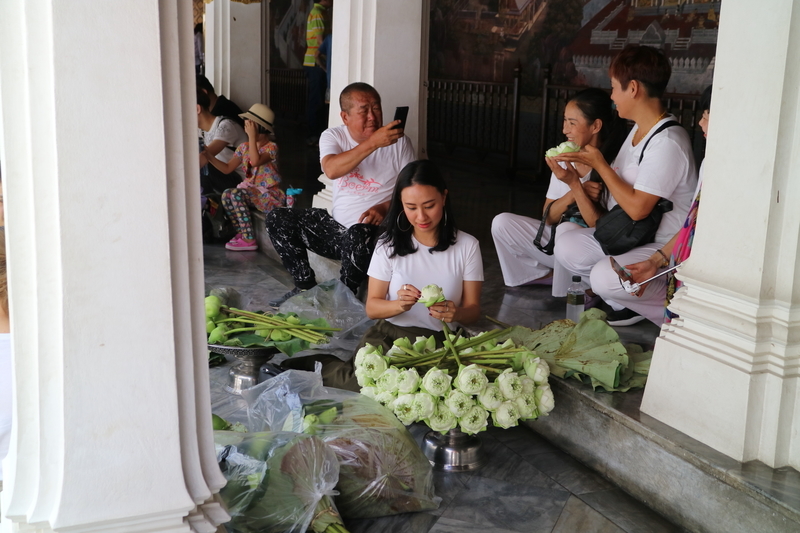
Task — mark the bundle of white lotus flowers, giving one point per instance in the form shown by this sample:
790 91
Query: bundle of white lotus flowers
458 386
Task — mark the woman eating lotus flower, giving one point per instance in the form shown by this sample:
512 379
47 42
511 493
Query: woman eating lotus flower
589 120
420 246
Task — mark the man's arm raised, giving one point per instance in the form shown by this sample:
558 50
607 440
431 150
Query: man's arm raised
337 165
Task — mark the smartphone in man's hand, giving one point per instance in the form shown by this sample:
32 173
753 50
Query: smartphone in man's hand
401 114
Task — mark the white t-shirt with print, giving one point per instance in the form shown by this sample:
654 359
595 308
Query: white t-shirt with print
667 170
371 182
449 269
230 132
5 397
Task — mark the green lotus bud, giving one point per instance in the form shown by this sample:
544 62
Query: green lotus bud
213 305
263 333
218 335
562 148
279 335
219 423
210 326
431 294
292 319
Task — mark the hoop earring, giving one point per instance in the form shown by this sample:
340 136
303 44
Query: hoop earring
398 223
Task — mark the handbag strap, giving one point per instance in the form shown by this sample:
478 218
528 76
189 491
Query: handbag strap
667 124
537 241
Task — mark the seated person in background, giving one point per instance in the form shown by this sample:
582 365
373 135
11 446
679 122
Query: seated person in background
589 119
639 76
5 360
363 157
420 246
258 157
221 136
218 104
651 297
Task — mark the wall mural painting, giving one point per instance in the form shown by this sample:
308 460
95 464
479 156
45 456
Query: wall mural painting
288 32
483 40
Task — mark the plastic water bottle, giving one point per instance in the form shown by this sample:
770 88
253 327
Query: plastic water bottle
575 296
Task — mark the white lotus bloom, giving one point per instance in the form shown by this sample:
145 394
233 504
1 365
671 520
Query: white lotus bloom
562 148
459 403
436 382
510 384
431 294
408 381
363 379
507 415
545 401
442 419
373 365
471 380
474 420
404 409
424 405
385 397
388 380
542 372
370 392
528 385
490 397
526 403
367 348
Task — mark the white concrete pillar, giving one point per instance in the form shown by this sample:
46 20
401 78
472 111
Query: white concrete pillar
112 413
384 44
728 372
233 50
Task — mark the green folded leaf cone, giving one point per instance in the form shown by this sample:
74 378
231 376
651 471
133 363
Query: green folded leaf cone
431 295
562 148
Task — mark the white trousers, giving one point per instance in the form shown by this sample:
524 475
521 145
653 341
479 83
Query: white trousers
520 260
581 254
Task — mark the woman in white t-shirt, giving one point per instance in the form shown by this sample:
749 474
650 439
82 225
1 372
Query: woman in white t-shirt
589 120
637 178
419 246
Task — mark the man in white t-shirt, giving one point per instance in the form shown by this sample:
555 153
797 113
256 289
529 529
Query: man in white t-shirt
363 157
221 136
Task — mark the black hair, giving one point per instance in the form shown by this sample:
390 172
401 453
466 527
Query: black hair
596 104
198 28
705 99
421 172
645 64
345 98
203 100
204 84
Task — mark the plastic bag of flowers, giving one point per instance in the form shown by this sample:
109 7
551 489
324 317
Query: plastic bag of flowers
278 483
382 469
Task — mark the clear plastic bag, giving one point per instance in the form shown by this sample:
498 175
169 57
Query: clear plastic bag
277 482
382 469
337 304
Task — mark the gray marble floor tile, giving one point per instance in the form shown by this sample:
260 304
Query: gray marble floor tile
577 517
523 440
403 523
498 504
628 513
447 525
569 473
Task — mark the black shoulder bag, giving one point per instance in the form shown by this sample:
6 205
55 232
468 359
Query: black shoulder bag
618 233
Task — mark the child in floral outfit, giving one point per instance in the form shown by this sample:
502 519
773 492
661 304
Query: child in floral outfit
259 190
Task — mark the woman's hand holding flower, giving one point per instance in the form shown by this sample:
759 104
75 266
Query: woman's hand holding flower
568 175
445 311
407 296
589 155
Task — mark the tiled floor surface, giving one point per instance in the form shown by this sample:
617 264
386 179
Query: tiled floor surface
528 485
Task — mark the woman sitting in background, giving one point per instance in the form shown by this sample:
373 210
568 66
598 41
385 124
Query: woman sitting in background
637 178
589 120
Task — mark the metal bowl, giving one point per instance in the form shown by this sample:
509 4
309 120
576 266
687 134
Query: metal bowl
245 373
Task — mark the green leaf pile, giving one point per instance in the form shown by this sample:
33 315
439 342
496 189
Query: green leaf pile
589 351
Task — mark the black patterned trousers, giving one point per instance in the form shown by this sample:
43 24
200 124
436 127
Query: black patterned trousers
295 231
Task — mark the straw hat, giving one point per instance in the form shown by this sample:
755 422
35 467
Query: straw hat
260 114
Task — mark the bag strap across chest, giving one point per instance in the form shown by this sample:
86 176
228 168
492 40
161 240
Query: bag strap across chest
667 124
